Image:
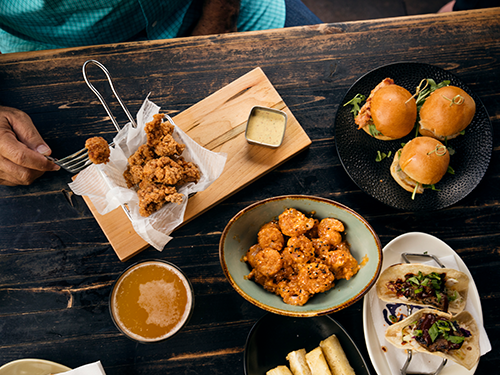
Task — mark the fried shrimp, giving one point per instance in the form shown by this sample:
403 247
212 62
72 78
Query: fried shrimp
270 236
342 263
329 229
268 262
314 257
294 223
316 278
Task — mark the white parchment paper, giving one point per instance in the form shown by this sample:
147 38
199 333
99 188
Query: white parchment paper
90 369
105 185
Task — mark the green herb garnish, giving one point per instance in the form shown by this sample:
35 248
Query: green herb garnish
355 102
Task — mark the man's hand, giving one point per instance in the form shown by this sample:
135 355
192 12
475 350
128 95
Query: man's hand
218 17
22 149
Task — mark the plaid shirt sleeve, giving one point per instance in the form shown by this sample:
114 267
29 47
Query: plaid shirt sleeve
29 25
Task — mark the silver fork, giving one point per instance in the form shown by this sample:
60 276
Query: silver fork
79 160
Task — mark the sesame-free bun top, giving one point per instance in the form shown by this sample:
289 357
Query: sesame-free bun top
394 112
446 112
425 160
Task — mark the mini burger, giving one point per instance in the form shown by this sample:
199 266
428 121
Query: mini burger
446 113
422 161
389 113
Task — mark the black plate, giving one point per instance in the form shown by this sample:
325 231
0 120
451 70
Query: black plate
357 150
274 336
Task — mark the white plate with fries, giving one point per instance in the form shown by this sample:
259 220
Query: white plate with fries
274 336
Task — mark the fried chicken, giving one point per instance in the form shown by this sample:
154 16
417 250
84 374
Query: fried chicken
158 169
98 150
152 197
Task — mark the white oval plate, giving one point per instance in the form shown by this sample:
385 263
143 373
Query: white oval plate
32 366
415 242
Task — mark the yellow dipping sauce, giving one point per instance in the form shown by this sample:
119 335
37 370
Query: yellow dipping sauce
266 126
151 301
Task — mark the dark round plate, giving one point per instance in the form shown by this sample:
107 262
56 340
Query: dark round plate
274 336
357 150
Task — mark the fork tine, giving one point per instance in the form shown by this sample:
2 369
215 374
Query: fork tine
79 154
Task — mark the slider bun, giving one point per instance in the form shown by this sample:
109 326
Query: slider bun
425 160
443 115
401 178
393 111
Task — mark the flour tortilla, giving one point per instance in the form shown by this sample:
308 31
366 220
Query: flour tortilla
455 281
467 355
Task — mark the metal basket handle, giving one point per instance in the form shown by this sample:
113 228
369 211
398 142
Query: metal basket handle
101 99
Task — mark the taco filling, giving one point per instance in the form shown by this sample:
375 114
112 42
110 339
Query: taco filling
427 289
437 333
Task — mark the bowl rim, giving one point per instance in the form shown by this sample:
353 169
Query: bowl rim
308 313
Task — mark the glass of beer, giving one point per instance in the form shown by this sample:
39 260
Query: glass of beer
151 301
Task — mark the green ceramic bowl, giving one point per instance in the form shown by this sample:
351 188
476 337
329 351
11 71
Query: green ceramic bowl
241 233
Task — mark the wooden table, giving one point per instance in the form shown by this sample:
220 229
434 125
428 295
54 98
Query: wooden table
57 267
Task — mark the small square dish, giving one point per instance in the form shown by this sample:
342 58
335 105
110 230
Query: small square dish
266 126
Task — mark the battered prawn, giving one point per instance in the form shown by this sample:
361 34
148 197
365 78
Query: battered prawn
270 236
268 262
316 278
294 223
299 250
321 247
330 229
250 255
342 264
292 293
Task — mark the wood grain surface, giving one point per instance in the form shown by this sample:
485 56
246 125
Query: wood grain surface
57 266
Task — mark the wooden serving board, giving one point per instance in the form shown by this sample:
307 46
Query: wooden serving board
218 124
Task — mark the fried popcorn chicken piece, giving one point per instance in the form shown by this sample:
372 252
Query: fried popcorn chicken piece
133 175
163 170
190 172
98 150
294 223
153 196
157 129
168 146
143 154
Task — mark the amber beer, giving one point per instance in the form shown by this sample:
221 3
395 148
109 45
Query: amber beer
151 301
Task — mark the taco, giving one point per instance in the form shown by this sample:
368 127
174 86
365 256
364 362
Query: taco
435 332
416 284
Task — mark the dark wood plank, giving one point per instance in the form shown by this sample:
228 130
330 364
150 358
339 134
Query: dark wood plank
56 267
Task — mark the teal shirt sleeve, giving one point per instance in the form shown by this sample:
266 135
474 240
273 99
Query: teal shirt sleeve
27 25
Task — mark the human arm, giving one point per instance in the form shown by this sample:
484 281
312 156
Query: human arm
22 149
218 16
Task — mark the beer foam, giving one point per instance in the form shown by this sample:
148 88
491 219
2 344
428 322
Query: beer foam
156 298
